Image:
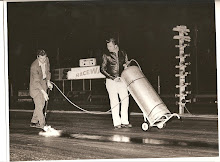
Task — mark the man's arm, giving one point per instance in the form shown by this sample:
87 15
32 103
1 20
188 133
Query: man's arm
126 64
104 67
126 58
36 78
48 73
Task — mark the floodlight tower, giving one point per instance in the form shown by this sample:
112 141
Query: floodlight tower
182 37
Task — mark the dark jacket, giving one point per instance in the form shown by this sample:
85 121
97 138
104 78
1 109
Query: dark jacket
112 66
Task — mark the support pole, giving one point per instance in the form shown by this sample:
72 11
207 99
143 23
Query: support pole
90 84
83 84
158 83
63 86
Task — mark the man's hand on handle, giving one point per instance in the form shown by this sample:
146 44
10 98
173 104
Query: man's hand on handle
126 64
50 85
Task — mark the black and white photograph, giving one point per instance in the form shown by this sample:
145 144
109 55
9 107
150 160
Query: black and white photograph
110 80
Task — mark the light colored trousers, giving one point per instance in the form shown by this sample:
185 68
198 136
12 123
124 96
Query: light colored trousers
114 89
38 115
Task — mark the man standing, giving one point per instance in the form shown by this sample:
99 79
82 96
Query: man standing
113 64
39 82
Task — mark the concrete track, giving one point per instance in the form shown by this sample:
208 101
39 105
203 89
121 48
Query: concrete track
89 136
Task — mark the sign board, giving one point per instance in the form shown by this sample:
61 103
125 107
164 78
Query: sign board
23 93
87 62
92 72
60 74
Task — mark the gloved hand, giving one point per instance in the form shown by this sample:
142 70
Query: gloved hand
50 85
45 95
118 79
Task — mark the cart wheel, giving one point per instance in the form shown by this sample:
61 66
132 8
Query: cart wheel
145 126
161 125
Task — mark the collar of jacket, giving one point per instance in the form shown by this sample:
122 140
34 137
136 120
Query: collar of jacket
41 64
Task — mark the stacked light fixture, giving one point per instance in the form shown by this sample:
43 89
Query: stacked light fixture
182 95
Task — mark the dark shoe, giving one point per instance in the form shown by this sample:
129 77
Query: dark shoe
33 124
39 126
117 127
126 125
36 125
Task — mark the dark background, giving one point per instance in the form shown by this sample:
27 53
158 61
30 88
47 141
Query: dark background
78 30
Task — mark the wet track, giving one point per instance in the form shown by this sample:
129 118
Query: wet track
88 136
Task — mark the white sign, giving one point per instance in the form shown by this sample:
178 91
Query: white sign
92 72
87 62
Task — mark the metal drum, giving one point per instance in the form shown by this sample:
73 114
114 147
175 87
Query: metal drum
144 94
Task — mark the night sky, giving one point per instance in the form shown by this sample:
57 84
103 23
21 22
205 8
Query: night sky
78 30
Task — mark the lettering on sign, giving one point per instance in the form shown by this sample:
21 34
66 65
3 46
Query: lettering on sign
92 72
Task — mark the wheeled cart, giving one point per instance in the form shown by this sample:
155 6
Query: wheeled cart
154 110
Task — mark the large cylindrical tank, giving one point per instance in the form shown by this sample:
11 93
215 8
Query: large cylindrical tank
144 94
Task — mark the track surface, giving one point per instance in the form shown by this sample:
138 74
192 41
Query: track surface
87 136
